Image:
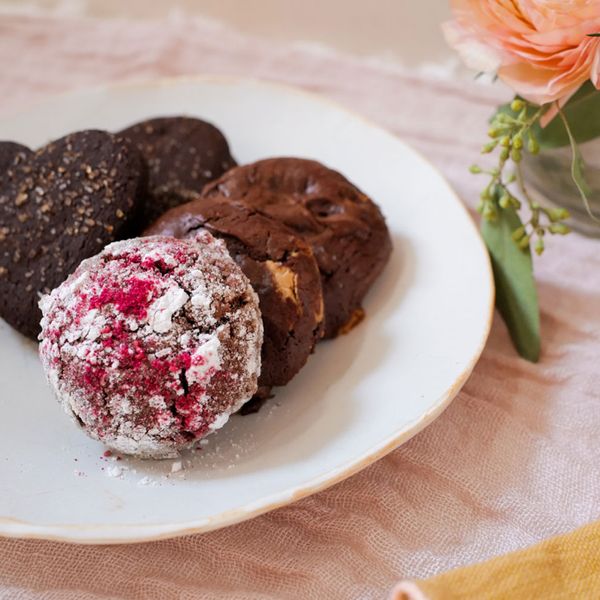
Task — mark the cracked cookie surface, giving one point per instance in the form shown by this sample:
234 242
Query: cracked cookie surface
153 343
282 270
344 227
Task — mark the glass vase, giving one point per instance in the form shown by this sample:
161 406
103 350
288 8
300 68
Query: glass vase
547 176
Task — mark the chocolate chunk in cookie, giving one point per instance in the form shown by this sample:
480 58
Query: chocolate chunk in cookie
282 270
11 154
182 154
344 227
59 205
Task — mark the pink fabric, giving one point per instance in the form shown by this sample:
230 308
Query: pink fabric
513 460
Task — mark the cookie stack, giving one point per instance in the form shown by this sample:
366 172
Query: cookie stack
309 242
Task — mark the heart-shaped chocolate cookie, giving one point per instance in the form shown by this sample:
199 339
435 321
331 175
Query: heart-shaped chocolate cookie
59 205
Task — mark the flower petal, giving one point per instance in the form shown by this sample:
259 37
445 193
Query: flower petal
540 47
474 53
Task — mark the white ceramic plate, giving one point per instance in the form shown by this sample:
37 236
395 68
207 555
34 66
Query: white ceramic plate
358 398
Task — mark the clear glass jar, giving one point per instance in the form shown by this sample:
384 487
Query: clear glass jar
548 180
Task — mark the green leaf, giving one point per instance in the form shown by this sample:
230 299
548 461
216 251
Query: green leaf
516 294
577 167
583 114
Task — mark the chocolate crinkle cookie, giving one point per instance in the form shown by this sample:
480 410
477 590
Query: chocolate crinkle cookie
182 155
282 270
344 227
153 343
58 206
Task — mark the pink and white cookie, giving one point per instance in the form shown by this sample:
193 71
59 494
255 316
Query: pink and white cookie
152 344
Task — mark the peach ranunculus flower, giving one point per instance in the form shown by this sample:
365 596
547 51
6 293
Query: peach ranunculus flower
540 48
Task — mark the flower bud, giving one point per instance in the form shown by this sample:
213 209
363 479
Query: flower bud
539 246
504 154
518 233
517 104
558 214
524 242
515 155
489 212
475 169
505 141
504 201
532 145
489 147
517 142
559 228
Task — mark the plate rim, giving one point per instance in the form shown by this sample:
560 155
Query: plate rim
141 533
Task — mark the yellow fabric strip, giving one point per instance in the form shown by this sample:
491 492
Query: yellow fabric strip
567 566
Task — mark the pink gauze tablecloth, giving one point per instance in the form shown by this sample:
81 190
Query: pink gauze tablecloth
515 458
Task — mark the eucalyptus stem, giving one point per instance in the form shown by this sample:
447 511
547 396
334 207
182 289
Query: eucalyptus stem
508 132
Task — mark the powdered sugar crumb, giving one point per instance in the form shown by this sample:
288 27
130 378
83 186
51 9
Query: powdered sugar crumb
147 481
114 471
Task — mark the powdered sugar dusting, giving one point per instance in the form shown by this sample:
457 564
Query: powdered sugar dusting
114 471
161 311
206 359
153 343
219 422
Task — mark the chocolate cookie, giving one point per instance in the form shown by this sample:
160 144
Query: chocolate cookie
282 270
182 154
345 229
153 343
60 205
